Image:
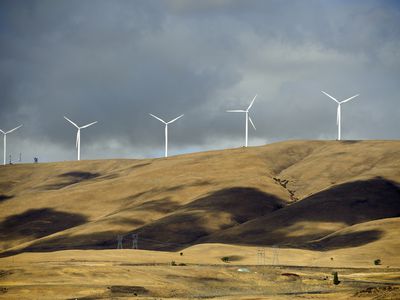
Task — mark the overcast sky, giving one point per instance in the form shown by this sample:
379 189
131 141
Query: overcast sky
117 61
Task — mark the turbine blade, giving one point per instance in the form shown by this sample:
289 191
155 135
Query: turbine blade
236 110
175 119
251 104
348 99
86 126
330 97
13 129
2 131
252 124
158 118
71 122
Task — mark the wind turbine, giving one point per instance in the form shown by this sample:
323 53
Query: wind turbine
5 140
339 113
247 118
166 130
78 135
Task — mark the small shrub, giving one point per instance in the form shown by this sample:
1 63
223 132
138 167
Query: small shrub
377 262
181 254
336 280
225 259
182 264
173 263
290 275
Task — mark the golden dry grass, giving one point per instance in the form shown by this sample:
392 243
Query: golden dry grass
327 204
199 273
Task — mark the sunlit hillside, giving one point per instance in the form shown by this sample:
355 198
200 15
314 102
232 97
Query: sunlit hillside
298 194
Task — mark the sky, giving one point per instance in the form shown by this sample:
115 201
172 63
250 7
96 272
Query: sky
117 61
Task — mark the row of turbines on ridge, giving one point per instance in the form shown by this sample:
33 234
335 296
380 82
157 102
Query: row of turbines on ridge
246 111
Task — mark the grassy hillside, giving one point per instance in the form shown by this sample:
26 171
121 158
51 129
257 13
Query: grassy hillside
298 194
320 214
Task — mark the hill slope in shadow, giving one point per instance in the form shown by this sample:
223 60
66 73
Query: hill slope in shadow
291 193
319 215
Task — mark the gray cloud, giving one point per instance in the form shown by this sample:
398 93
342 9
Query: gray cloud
116 61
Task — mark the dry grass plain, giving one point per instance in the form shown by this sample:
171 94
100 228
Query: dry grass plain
325 205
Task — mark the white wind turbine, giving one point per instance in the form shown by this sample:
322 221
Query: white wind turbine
5 140
339 113
247 118
78 135
166 130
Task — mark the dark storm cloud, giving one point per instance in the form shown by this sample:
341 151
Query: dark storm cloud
116 61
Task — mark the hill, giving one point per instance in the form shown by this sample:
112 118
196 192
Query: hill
314 195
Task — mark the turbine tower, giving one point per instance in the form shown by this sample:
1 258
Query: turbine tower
166 130
247 119
5 140
78 135
339 112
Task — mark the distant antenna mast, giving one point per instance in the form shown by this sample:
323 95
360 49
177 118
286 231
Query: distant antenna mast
14 161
